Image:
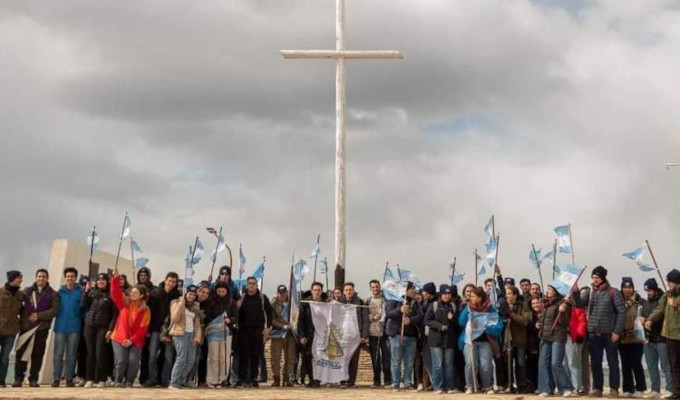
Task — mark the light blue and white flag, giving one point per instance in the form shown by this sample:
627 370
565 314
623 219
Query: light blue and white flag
93 239
489 228
535 257
491 245
242 260
127 224
566 279
481 268
638 256
389 275
323 266
259 271
221 246
564 238
457 278
300 270
408 276
138 254
316 253
477 324
394 290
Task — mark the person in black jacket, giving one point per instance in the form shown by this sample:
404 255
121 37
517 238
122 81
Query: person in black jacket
159 304
441 340
220 305
656 351
351 297
255 321
305 331
408 314
99 323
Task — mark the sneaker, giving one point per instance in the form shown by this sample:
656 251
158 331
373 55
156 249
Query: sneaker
88 384
70 384
568 393
439 392
490 391
596 393
255 384
171 387
469 391
454 391
55 384
627 395
395 388
614 393
419 388
638 394
34 384
652 395
102 385
667 395
544 394
17 384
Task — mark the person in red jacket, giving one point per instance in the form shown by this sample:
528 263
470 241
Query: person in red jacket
575 344
129 335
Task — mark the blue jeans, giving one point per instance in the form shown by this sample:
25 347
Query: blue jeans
6 344
655 354
405 352
186 357
442 368
551 370
126 363
483 359
65 343
574 355
599 344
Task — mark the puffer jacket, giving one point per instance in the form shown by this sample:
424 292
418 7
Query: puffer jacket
555 332
606 310
70 316
178 320
632 305
577 325
10 309
436 317
101 311
648 307
519 320
667 311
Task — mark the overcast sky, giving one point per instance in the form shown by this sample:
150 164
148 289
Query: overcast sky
185 115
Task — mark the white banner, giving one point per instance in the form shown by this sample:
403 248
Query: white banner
336 338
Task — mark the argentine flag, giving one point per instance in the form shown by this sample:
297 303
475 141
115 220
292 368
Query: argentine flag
140 260
300 270
638 255
394 290
93 239
566 279
127 224
563 238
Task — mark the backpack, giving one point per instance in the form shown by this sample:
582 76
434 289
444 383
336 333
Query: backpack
435 304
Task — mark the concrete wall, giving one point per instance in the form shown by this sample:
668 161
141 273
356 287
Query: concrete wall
76 253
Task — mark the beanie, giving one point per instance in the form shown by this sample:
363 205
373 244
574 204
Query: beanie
12 275
225 270
673 276
430 288
601 272
650 284
510 281
627 280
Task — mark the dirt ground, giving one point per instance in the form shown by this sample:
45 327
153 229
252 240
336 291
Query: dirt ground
264 392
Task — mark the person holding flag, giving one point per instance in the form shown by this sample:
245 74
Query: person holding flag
403 317
305 331
656 350
480 341
351 297
441 340
632 343
225 276
553 327
222 317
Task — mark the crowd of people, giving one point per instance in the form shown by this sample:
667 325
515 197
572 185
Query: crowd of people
110 333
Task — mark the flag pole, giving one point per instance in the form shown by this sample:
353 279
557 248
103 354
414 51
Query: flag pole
325 261
554 258
571 243
193 253
453 270
495 284
240 268
132 257
476 271
538 265
94 231
401 335
568 296
263 268
656 265
120 243
316 254
387 264
212 268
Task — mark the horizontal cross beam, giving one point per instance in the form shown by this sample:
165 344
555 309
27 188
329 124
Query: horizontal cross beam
346 54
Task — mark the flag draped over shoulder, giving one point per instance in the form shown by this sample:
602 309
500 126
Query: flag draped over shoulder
217 330
477 324
336 338
566 279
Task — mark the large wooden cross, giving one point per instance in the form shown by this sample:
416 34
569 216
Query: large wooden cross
340 54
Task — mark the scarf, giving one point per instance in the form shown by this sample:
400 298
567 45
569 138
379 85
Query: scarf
493 342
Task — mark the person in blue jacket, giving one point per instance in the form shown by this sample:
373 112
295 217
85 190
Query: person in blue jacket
483 348
67 328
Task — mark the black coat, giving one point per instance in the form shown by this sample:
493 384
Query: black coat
102 313
217 306
435 318
159 305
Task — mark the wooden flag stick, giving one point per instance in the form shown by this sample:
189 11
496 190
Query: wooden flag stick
538 265
656 265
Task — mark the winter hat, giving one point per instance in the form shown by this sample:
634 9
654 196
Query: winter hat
222 285
650 284
443 289
281 289
12 275
601 272
673 276
225 270
627 280
430 288
509 280
84 279
192 288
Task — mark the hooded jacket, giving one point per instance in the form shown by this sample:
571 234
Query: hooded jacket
11 300
605 309
149 285
553 323
667 312
70 316
436 318
648 307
